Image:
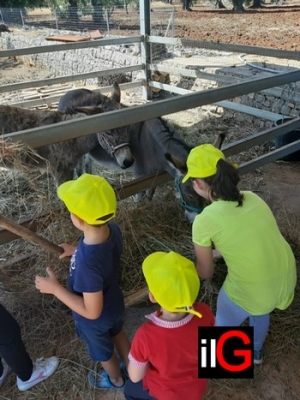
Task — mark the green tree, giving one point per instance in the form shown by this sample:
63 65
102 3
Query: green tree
99 7
72 10
22 3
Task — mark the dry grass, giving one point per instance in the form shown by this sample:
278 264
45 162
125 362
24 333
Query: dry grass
17 154
47 325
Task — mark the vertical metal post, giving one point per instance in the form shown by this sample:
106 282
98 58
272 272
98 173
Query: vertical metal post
145 46
173 26
56 22
173 22
107 21
22 19
1 16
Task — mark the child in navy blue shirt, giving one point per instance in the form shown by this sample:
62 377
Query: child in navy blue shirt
93 292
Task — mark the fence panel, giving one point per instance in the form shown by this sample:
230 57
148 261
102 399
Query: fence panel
116 21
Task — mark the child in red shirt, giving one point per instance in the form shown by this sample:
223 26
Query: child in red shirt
163 360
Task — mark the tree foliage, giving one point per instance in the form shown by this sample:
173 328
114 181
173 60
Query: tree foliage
22 3
64 3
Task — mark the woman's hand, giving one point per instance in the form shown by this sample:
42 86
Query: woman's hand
47 284
217 255
68 250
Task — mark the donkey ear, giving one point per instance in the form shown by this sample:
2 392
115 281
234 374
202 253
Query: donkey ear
89 110
116 93
174 162
218 143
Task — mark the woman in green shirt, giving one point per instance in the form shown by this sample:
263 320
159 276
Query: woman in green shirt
241 227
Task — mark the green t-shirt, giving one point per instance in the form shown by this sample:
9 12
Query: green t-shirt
261 265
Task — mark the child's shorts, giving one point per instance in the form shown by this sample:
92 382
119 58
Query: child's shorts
98 339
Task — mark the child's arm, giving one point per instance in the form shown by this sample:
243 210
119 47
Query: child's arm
137 369
89 306
136 374
205 261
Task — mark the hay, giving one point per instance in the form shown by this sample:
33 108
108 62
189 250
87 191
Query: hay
18 155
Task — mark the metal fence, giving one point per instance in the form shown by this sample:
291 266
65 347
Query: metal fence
123 21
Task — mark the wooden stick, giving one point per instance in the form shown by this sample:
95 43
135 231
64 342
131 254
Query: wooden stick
53 248
29 235
136 297
31 222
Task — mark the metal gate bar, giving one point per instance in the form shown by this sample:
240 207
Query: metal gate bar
49 134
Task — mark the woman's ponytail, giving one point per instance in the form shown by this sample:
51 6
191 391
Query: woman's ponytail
224 183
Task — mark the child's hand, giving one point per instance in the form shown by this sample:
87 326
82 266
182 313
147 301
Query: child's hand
68 250
47 284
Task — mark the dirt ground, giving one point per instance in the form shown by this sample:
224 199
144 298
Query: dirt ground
269 26
278 183
276 28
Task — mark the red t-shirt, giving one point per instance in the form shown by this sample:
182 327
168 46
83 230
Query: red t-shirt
170 348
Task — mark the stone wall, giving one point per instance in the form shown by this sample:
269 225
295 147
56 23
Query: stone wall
73 61
284 100
216 69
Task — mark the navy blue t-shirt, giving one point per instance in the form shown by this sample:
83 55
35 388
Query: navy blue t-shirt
94 268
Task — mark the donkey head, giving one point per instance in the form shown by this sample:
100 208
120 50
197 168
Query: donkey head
116 144
189 199
115 141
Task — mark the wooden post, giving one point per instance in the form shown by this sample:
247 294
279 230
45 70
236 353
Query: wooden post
136 297
29 235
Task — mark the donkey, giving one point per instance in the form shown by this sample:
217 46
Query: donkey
157 147
61 158
115 144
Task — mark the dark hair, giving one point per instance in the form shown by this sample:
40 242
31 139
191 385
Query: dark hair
223 184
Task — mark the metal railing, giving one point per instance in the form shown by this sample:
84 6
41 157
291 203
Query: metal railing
52 133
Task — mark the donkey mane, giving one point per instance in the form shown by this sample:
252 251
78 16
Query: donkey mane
87 99
166 137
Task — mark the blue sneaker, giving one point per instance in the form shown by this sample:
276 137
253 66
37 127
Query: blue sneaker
257 357
123 367
101 381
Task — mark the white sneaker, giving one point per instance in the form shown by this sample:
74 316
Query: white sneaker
6 371
42 369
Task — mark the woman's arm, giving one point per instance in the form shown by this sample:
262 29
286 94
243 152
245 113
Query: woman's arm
205 262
